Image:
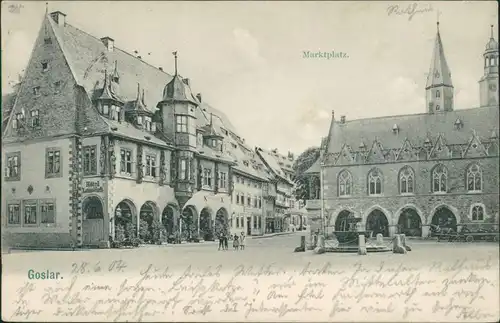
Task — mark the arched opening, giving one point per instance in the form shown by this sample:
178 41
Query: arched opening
409 223
341 224
189 225
221 222
206 230
147 215
93 221
168 220
125 221
445 219
377 223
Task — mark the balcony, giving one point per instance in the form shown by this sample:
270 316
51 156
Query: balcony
313 204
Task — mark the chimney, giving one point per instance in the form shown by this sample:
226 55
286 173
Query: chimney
160 68
198 96
186 81
342 119
109 43
139 57
59 18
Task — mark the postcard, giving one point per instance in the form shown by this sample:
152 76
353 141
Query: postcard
250 161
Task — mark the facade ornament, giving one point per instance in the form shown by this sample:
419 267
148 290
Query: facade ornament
216 178
102 157
112 158
163 171
140 168
173 167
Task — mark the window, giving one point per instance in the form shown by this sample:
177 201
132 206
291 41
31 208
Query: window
477 213
222 180
30 216
406 180
183 169
207 177
255 222
374 182
438 107
255 203
13 167
237 198
147 121
260 203
139 120
48 214
57 86
90 160
474 178
214 143
35 120
150 166
125 161
47 40
345 183
36 90
53 163
115 112
237 222
14 214
249 200
439 179
438 94
105 109
45 66
182 124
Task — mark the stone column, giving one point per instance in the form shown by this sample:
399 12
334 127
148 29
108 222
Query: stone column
425 231
392 230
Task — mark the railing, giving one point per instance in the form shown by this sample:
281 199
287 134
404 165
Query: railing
313 204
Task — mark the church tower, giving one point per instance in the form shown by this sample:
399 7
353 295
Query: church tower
488 84
439 88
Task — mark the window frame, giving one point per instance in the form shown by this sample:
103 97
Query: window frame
92 170
344 180
374 179
53 174
26 203
207 177
406 178
434 178
46 202
16 155
36 90
223 180
475 207
35 116
17 203
124 163
45 66
477 173
181 124
150 165
183 169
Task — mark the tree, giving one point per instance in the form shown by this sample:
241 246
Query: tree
302 164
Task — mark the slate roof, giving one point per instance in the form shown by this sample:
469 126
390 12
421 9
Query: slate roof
89 60
272 162
416 127
439 72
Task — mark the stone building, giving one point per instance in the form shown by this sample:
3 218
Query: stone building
99 141
403 173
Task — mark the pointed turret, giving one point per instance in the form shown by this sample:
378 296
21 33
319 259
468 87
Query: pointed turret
488 85
439 87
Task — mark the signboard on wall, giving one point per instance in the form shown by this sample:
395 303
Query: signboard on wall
93 186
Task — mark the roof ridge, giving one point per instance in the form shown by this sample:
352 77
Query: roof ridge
122 50
410 114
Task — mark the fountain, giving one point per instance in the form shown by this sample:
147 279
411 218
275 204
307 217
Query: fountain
348 241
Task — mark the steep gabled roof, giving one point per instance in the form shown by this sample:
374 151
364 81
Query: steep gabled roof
439 72
417 128
273 164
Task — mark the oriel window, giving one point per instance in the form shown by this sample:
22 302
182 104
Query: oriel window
90 160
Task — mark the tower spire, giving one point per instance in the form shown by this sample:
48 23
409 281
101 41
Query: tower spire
175 60
211 118
491 32
46 8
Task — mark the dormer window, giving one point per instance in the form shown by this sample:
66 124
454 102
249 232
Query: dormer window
438 94
115 112
36 90
105 109
35 120
147 123
45 66
139 120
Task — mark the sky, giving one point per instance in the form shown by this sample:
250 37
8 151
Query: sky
247 58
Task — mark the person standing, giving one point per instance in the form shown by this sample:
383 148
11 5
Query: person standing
242 241
221 241
236 242
225 241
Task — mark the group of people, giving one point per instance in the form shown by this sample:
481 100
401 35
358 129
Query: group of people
238 241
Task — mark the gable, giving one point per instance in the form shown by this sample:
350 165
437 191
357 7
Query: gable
376 154
406 152
440 150
49 91
475 148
